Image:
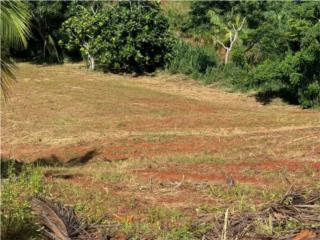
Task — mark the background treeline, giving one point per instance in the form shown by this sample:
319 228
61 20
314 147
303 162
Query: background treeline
271 47
129 36
276 52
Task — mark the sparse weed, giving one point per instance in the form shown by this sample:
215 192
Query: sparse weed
179 233
112 176
202 158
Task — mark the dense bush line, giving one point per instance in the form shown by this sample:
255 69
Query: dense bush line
201 63
194 60
298 73
118 36
276 52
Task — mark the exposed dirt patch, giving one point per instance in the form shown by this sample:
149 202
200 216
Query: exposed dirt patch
264 147
193 177
255 173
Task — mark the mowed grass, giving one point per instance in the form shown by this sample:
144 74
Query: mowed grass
163 146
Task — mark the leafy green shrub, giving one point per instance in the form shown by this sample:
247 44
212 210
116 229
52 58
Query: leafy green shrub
15 191
200 62
239 57
126 37
177 14
230 76
297 73
194 60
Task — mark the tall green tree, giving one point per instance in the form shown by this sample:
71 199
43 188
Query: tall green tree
14 30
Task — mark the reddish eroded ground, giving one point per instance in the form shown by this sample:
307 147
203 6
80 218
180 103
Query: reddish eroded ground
237 147
216 178
64 112
144 197
255 173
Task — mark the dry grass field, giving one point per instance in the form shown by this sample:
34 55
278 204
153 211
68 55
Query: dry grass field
156 152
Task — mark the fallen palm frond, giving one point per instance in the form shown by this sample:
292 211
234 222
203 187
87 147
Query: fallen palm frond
295 206
60 222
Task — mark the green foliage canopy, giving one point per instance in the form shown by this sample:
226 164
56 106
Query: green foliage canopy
47 17
278 50
298 73
130 38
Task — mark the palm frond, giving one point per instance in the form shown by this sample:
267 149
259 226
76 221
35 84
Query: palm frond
14 26
14 30
7 76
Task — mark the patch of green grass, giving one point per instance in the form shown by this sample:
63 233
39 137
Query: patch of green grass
112 176
84 200
158 214
179 233
115 172
196 159
159 137
240 197
159 223
17 221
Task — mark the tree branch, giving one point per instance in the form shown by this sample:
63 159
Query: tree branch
235 36
242 23
234 28
221 43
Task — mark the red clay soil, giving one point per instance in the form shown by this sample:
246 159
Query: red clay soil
174 176
267 165
218 173
142 146
118 148
177 197
31 152
215 172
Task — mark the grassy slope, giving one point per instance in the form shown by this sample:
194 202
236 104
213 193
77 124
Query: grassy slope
164 145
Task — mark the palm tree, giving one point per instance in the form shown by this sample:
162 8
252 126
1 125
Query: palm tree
14 30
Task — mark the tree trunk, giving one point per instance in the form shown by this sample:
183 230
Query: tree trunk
44 49
226 56
89 56
91 62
